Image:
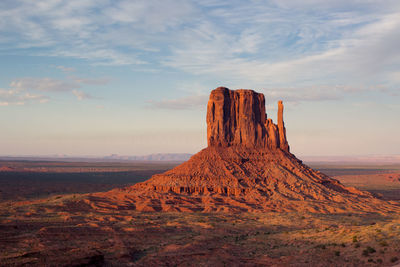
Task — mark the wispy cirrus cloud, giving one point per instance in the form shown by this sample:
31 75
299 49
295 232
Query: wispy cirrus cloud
187 102
292 95
43 84
66 69
80 95
359 53
257 43
105 32
11 97
38 90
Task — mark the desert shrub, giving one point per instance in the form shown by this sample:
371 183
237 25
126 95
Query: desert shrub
355 240
383 243
368 250
357 245
394 259
379 261
371 249
337 253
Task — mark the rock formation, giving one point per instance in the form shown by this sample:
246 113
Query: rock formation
237 118
247 166
283 143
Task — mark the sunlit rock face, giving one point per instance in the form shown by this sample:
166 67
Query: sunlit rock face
238 118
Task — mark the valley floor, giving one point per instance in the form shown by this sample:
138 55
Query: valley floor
34 232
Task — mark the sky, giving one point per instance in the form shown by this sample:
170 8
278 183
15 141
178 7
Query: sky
101 77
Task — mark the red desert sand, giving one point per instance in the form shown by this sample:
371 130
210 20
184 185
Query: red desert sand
247 167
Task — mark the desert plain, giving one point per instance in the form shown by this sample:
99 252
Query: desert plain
35 231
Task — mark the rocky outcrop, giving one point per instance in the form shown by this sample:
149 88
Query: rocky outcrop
247 166
238 118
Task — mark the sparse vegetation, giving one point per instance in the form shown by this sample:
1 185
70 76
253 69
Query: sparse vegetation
368 250
383 243
321 246
310 240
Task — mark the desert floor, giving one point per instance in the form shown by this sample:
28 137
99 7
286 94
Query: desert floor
33 231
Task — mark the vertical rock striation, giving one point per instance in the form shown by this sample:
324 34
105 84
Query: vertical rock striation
237 118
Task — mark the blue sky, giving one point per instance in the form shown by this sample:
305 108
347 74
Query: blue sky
97 77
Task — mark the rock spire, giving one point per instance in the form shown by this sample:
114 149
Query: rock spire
283 143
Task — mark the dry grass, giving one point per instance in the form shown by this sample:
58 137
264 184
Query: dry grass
37 235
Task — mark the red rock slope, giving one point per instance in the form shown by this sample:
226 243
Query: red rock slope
247 166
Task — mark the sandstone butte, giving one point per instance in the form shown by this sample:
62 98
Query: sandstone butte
247 167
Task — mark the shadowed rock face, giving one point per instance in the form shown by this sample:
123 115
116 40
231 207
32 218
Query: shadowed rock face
238 118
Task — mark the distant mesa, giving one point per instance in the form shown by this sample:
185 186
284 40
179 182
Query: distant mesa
247 166
6 169
175 157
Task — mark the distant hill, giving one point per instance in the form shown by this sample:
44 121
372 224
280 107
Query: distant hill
152 157
366 159
174 157
180 157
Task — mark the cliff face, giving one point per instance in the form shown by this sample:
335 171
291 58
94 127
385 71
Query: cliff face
238 118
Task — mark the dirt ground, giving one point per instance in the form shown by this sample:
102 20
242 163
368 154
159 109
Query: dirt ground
34 232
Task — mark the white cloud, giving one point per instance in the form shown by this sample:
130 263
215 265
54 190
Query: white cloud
257 43
91 81
12 97
151 15
359 54
292 95
24 90
81 95
43 84
66 69
105 32
187 102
